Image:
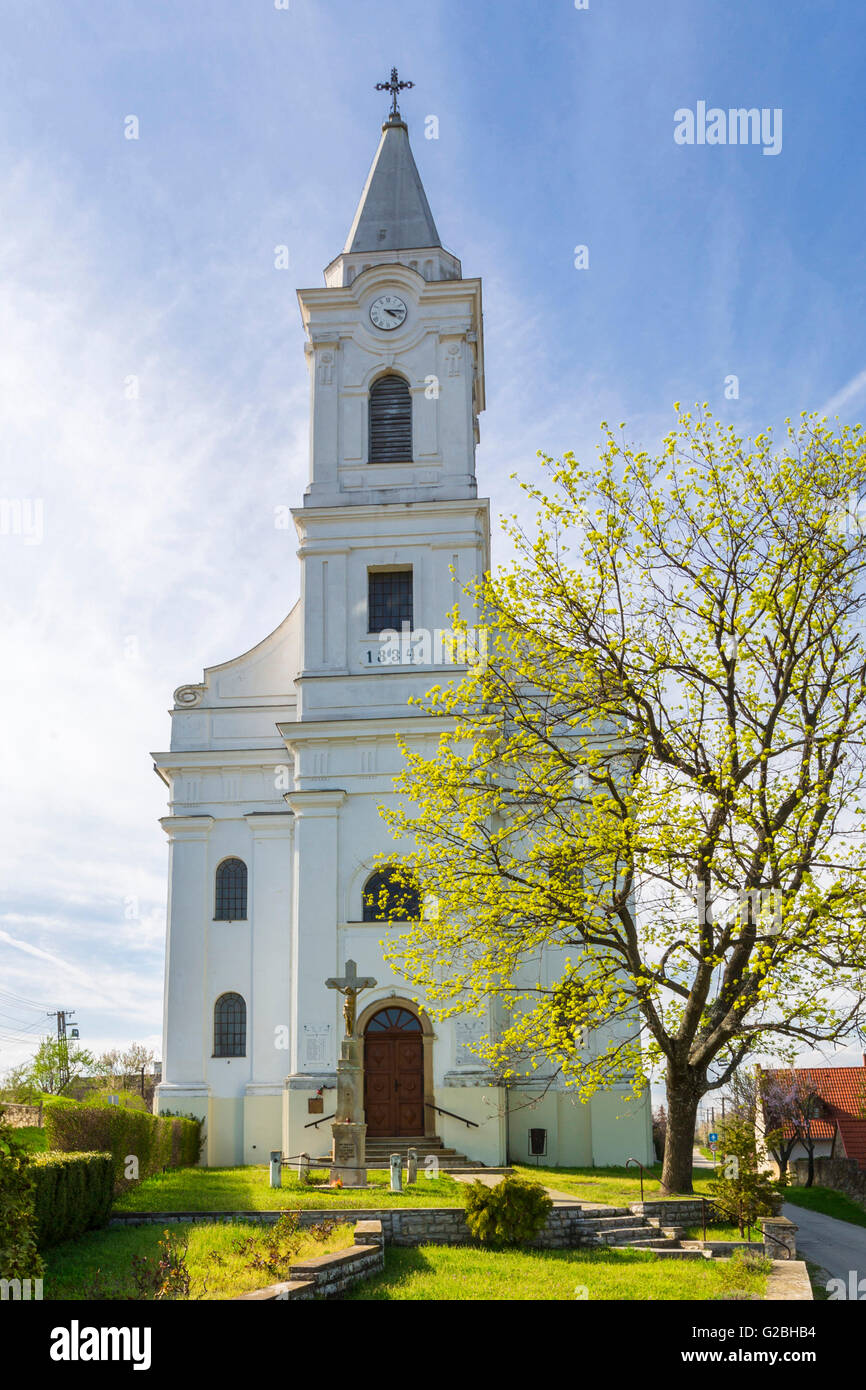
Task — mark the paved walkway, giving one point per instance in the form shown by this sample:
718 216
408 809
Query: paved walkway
698 1160
836 1246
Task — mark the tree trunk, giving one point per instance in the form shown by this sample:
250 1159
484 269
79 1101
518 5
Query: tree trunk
680 1137
810 1178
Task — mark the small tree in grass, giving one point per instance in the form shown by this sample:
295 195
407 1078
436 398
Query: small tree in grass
740 1190
511 1213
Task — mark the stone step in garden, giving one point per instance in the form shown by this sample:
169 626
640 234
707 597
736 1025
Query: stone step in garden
624 1221
655 1243
590 1212
675 1252
459 1164
624 1238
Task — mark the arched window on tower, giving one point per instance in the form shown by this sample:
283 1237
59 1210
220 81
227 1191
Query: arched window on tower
390 420
388 899
230 1026
230 898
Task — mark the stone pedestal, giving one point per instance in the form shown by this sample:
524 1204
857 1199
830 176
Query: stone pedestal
349 1129
780 1237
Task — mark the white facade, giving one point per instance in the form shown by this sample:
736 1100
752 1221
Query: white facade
280 757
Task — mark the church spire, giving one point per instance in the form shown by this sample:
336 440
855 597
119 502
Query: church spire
393 214
393 221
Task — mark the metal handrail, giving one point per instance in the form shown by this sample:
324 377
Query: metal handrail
315 1123
640 1165
451 1115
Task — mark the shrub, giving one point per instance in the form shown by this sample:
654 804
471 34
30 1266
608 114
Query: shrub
741 1191
19 1257
73 1193
511 1213
154 1141
168 1275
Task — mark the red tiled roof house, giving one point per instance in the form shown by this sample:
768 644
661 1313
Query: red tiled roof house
839 1125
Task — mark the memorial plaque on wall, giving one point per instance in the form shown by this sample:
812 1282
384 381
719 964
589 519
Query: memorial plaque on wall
317 1044
468 1033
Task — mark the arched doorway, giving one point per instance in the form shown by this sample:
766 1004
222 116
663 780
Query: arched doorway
394 1073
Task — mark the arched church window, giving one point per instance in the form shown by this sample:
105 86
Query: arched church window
231 891
387 898
230 1026
393 1020
390 420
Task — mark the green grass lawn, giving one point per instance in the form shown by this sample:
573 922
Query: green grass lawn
615 1187
720 1232
99 1264
438 1273
248 1189
33 1137
828 1201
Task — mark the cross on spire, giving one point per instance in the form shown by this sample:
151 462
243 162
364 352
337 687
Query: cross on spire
394 86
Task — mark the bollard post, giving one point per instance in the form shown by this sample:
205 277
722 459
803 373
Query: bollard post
276 1168
303 1167
396 1173
411 1167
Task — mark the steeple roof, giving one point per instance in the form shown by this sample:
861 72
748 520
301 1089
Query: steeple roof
393 214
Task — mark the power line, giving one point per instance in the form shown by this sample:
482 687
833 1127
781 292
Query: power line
21 999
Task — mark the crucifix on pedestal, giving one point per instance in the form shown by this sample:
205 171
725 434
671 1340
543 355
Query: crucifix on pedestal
351 985
349 1129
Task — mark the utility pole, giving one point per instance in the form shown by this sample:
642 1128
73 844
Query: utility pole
62 1015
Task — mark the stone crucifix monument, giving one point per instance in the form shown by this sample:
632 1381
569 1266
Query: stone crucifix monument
349 1128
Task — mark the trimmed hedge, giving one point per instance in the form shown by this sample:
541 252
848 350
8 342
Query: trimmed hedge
73 1193
19 1255
156 1141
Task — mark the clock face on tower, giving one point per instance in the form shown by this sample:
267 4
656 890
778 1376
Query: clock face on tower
388 312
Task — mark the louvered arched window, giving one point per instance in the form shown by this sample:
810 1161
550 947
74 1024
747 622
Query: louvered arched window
230 903
390 420
230 1026
386 898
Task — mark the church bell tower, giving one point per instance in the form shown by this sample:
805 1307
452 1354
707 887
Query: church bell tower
391 529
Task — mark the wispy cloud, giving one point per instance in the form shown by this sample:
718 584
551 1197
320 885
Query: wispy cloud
851 394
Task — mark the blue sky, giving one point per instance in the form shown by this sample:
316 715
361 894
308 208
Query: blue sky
153 259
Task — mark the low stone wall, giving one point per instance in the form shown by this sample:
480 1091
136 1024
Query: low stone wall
789 1282
20 1115
563 1229
679 1211
780 1237
843 1174
327 1276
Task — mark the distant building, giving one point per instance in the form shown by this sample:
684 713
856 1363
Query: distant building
839 1124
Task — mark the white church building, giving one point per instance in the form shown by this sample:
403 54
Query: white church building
280 756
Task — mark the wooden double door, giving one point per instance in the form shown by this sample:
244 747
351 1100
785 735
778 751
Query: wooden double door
394 1074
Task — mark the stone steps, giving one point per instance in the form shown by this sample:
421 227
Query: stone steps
627 1235
379 1151
622 1221
620 1227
